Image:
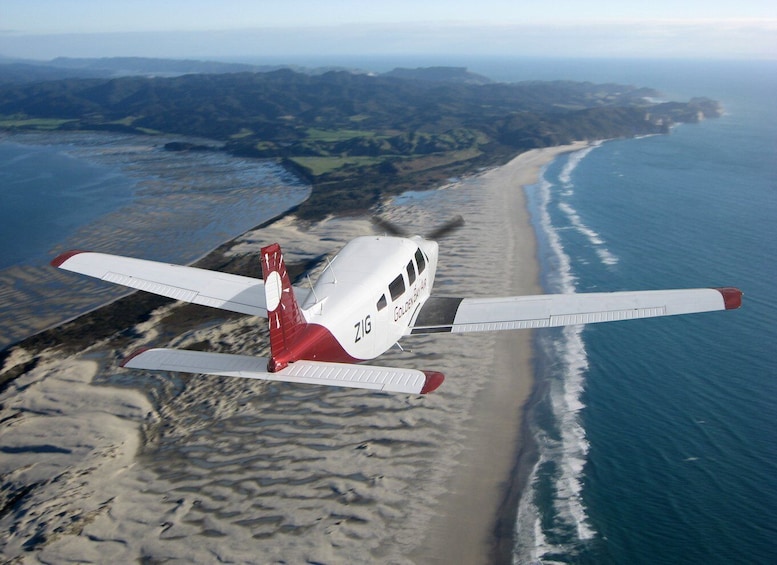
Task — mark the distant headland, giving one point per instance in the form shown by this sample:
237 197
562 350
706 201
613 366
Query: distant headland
355 136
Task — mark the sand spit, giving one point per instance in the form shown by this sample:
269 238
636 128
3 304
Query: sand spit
101 464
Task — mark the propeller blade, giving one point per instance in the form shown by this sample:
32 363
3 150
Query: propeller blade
392 229
388 227
450 226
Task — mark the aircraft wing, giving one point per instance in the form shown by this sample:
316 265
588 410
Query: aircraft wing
549 310
189 284
386 379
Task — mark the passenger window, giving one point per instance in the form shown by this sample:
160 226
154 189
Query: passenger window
410 273
419 259
397 287
382 302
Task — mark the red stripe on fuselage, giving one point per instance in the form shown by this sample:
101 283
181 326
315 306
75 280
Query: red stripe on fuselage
313 343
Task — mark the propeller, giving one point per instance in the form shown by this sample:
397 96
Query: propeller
388 227
392 229
447 228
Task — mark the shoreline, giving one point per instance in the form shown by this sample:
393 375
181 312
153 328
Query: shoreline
476 522
472 420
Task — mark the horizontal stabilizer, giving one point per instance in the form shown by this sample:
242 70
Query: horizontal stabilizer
385 379
188 284
550 310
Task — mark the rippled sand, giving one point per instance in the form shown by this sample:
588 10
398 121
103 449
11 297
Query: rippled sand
98 461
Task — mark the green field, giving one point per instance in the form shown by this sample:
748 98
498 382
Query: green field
335 135
322 165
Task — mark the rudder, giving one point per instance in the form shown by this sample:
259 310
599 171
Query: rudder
285 317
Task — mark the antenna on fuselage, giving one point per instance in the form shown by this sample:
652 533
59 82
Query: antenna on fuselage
313 290
329 266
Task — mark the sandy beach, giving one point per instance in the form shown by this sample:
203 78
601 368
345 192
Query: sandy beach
99 461
466 523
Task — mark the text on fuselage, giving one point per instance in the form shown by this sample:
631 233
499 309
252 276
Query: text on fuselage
362 327
407 306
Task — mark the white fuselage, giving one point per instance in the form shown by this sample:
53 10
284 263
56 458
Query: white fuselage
373 293
369 293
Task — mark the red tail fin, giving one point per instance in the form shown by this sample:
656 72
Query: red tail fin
285 317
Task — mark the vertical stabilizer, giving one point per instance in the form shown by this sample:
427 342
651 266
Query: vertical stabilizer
285 317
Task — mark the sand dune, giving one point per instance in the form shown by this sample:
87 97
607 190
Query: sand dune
98 461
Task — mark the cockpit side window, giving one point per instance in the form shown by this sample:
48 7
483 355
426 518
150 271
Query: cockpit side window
381 302
397 287
419 259
410 273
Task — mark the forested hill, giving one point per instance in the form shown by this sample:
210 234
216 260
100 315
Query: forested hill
354 136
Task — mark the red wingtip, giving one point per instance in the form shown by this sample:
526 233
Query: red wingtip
433 380
133 355
732 297
57 262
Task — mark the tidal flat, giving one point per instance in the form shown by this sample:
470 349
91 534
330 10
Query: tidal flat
174 206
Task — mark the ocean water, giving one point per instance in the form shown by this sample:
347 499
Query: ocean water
116 194
658 438
47 194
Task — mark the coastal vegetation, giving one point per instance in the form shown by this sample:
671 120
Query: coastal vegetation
353 136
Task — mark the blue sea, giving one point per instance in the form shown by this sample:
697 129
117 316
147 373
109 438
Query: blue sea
657 439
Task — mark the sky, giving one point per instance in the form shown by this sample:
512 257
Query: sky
712 29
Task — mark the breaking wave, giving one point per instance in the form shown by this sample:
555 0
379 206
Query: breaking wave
551 517
565 176
596 241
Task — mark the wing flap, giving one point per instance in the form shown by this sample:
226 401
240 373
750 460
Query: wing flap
189 284
387 379
544 311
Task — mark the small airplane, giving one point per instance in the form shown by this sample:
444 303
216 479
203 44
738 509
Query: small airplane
377 290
